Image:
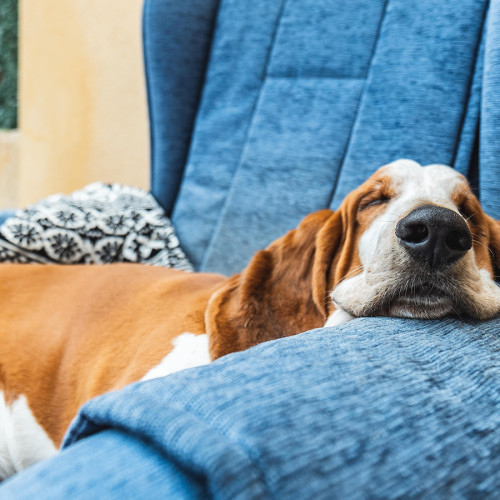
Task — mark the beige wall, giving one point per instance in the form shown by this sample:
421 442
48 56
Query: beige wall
9 168
83 113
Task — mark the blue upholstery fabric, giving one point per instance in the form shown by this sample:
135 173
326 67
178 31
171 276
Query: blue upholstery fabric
5 214
417 93
110 466
177 39
238 60
376 408
489 151
300 102
303 101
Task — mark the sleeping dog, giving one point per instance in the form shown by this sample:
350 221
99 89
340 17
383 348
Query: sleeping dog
410 242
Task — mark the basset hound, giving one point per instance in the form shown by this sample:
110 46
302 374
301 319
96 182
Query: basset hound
410 242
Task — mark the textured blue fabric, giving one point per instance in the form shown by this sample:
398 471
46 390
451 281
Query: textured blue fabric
5 214
381 408
240 51
466 157
282 63
489 149
110 466
177 38
303 101
277 182
417 91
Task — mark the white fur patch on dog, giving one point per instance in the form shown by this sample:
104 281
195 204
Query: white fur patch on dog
338 317
189 350
22 440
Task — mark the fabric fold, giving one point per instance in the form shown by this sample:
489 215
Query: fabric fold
398 407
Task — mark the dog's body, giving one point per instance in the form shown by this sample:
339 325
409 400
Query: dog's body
410 242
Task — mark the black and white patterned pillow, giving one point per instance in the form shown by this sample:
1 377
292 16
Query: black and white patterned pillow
100 224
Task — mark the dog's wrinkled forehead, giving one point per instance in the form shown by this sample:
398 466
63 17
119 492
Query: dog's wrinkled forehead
412 183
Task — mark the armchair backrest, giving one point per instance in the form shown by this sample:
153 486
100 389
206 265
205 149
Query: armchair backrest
264 111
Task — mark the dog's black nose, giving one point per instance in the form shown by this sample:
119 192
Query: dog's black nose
435 235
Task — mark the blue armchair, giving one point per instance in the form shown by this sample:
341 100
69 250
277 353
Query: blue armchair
262 112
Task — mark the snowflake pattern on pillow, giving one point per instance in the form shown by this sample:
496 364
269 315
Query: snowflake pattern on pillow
100 224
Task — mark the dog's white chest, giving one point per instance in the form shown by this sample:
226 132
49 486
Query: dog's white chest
189 350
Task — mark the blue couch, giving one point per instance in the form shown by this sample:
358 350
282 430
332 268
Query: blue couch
262 112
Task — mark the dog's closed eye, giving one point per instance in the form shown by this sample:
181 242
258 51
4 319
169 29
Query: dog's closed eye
373 201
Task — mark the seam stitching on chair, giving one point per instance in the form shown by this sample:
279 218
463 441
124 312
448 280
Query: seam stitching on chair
251 119
470 85
360 102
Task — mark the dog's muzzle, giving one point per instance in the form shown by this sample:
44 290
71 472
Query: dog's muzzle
435 236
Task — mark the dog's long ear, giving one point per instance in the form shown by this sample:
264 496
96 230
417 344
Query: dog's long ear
494 242
485 232
283 291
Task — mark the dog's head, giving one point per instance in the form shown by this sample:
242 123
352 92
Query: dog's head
410 242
